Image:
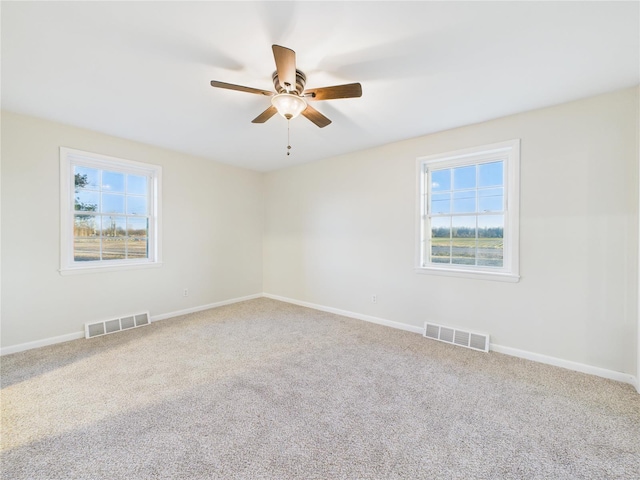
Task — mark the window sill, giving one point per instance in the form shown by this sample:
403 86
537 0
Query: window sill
107 268
475 274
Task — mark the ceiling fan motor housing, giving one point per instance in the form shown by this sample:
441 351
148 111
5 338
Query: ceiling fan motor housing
301 80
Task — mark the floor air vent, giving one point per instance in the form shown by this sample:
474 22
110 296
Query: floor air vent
96 329
476 341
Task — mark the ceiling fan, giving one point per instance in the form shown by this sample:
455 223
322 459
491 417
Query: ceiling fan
290 97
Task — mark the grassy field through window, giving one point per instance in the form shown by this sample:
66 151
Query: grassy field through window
468 251
113 248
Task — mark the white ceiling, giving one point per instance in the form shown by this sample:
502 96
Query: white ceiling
141 70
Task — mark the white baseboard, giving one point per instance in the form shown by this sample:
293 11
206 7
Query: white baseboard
177 313
346 313
568 364
536 357
77 335
41 343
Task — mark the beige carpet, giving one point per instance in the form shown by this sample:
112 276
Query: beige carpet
267 390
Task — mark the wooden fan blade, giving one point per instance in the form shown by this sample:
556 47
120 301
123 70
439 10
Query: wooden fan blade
350 90
266 115
240 88
316 117
285 66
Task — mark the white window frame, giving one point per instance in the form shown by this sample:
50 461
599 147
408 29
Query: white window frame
68 159
509 152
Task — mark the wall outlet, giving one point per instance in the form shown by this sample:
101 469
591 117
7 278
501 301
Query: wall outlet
374 299
185 292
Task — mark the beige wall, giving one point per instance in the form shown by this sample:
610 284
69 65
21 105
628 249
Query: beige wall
336 231
212 242
342 229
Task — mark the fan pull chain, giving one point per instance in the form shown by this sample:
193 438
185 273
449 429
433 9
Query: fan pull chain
288 137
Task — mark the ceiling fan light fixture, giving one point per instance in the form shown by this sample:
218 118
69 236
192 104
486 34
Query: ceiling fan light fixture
288 105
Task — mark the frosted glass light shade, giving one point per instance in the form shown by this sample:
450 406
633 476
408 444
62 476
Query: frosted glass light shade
288 105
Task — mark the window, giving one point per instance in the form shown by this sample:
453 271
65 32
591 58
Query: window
109 212
468 206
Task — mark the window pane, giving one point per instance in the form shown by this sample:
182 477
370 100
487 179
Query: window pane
464 202
87 178
464 177
136 205
440 203
440 240
112 203
441 227
137 227
463 244
136 185
87 201
113 181
113 237
490 174
441 180
490 200
137 247
491 225
86 238
137 238
491 240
